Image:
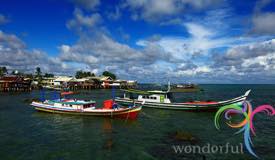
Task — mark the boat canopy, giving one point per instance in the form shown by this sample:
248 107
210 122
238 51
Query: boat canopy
73 102
144 92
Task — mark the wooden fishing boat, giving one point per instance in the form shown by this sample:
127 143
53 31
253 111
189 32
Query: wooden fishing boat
161 100
185 88
81 107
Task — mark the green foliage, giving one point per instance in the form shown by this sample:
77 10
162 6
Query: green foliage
48 75
38 75
107 73
3 71
83 74
16 72
38 71
29 75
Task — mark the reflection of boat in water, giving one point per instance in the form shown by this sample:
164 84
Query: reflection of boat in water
185 88
107 131
52 88
82 107
161 100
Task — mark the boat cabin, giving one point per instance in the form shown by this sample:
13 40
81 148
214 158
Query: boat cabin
73 104
155 98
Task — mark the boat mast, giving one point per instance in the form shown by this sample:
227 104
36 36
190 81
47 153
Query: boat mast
169 87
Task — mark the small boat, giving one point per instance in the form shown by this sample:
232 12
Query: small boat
67 93
83 107
52 88
161 100
185 88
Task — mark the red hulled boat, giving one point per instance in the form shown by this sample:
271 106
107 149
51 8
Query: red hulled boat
82 107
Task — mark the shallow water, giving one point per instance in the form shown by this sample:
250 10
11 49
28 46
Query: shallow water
27 134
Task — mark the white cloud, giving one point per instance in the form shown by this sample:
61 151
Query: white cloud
154 10
193 72
251 50
104 51
65 48
198 31
116 14
201 4
15 55
159 57
264 23
200 42
260 60
81 21
3 19
250 61
87 4
174 21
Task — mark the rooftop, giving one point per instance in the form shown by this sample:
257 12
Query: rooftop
63 79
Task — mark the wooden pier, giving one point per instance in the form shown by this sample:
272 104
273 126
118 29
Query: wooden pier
14 83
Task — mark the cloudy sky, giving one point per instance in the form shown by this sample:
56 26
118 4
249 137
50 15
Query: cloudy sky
200 41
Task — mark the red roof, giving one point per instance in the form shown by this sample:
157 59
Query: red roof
11 78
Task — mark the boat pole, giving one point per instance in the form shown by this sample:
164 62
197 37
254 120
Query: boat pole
113 93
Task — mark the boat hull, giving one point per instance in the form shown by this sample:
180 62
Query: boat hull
127 113
185 90
195 106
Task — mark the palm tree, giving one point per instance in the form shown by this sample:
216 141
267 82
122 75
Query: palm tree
38 75
3 71
38 71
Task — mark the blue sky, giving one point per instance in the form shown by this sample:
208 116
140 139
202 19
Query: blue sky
202 41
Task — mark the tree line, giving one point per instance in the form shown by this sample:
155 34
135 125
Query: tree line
38 73
83 74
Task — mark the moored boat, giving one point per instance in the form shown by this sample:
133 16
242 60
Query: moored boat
52 88
185 88
161 100
82 107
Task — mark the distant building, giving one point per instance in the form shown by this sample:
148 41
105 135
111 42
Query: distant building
119 83
96 80
82 83
48 81
15 83
106 82
61 81
124 84
131 84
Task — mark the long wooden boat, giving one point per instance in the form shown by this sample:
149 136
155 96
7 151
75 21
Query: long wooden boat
185 88
80 107
160 100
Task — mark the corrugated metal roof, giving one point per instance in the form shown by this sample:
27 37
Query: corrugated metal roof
63 79
11 79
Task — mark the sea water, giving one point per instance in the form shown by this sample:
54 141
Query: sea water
28 134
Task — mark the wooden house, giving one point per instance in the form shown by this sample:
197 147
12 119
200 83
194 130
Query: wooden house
15 83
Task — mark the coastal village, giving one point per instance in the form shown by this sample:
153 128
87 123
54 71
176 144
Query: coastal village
81 81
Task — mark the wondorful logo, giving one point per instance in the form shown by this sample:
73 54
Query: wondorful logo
246 125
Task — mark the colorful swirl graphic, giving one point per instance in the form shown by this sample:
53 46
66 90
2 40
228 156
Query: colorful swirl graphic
246 125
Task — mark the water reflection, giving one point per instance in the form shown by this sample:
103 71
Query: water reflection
107 129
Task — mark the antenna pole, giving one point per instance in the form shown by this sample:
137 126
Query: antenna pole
169 87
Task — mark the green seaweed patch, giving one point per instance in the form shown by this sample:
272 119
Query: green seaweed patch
183 136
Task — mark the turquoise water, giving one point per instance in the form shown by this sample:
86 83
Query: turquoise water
27 134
